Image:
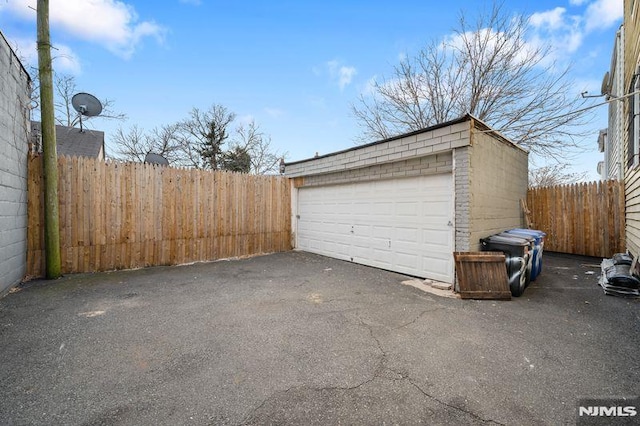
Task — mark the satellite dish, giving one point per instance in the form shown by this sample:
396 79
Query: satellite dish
605 88
86 104
158 159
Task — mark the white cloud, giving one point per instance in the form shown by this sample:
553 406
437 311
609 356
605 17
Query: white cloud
111 23
552 19
602 14
566 32
346 75
64 59
343 74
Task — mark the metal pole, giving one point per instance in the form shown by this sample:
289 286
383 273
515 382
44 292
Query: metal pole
51 220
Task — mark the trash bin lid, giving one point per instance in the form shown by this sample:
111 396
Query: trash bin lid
532 231
508 239
524 234
528 238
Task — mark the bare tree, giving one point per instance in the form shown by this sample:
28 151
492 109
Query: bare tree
197 142
264 159
202 135
487 69
135 144
64 88
553 175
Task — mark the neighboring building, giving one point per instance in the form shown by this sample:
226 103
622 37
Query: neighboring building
14 146
611 139
631 107
407 203
71 141
603 146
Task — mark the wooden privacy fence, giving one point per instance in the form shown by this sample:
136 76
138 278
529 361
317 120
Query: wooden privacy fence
127 215
585 218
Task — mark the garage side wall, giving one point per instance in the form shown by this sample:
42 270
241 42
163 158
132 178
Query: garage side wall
14 102
498 173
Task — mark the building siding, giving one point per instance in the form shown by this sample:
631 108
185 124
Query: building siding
615 131
14 103
632 175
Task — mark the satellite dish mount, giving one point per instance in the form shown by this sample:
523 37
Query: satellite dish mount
605 88
87 105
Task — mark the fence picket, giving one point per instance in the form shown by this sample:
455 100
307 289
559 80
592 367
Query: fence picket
123 215
586 218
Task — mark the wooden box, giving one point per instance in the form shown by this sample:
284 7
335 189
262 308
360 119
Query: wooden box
482 275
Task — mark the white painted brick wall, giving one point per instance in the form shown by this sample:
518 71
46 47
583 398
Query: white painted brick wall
429 142
462 185
14 101
433 164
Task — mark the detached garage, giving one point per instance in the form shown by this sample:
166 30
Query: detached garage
405 204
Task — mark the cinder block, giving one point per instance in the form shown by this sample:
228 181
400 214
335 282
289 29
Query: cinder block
395 156
408 153
424 150
424 136
408 140
442 146
461 127
442 131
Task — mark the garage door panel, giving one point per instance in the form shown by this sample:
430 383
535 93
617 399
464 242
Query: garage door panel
401 224
382 209
408 208
438 266
405 235
382 231
435 236
406 261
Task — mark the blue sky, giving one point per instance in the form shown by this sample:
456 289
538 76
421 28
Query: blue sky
293 66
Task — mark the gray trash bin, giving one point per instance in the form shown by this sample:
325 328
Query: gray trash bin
518 252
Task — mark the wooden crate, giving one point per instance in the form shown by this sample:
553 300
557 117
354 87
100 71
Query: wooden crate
482 275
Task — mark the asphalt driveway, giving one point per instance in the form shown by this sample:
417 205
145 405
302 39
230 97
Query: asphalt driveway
295 338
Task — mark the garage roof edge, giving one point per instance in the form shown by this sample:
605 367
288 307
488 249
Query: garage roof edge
467 117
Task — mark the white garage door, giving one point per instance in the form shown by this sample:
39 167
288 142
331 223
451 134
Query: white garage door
403 225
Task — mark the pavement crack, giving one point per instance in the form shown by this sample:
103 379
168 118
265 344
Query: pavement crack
383 353
413 321
454 407
376 374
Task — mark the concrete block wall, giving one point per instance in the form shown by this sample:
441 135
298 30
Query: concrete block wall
429 165
462 184
14 119
498 176
414 145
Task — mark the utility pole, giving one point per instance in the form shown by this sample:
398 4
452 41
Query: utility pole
45 71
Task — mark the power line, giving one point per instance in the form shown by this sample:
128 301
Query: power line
578 111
